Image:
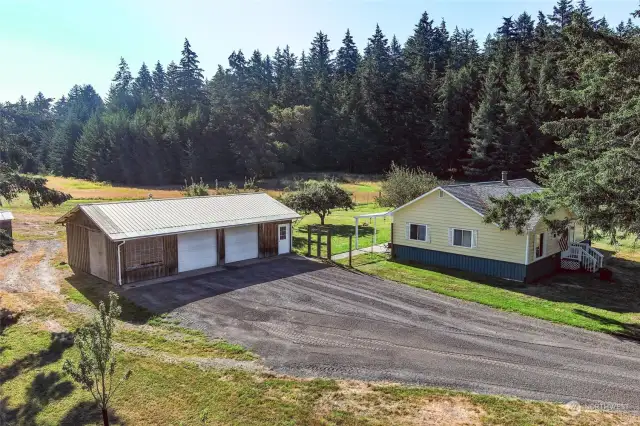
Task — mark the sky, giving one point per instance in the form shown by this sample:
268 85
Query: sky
50 45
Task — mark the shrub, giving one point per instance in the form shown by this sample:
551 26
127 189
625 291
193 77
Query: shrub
403 184
196 189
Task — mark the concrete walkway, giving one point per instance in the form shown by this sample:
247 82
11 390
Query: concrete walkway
379 248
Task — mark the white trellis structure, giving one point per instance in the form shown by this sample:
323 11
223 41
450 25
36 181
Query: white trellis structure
375 216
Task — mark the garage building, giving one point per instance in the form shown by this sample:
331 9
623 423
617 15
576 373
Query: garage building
130 241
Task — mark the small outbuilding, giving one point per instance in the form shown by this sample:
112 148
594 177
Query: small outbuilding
130 241
6 219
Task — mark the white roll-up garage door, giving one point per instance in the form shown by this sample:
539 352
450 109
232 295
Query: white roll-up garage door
197 250
241 243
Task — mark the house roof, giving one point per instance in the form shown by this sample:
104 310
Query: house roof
6 216
147 218
475 196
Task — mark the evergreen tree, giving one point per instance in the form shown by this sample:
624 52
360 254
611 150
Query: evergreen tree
190 79
348 57
561 16
486 151
120 93
143 87
159 83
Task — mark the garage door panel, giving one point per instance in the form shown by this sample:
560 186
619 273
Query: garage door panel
197 250
241 243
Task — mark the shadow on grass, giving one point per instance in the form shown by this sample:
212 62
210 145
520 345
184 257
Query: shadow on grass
58 344
96 290
629 331
45 389
620 296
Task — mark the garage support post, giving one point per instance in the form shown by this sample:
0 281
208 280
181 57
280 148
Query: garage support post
319 243
329 244
350 242
309 241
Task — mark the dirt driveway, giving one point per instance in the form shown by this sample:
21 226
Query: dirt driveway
309 319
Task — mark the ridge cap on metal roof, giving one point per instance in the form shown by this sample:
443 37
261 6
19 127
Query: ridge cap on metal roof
171 199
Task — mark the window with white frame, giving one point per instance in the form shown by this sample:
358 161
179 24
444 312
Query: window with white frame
463 238
417 232
143 253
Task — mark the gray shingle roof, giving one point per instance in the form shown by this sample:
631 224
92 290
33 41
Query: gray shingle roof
145 218
476 195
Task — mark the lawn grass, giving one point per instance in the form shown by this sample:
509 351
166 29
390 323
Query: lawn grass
342 225
34 391
506 295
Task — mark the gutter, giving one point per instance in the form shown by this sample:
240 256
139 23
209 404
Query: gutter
120 264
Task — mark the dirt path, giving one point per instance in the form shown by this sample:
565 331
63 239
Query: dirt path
30 269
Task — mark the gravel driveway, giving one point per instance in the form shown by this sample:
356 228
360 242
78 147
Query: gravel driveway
308 319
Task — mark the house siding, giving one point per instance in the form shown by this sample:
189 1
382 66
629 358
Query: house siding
495 268
543 268
442 213
553 246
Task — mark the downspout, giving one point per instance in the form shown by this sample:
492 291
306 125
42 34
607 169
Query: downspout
119 264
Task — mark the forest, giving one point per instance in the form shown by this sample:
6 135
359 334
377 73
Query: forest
520 101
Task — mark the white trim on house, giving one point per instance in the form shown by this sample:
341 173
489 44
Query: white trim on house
431 192
427 232
526 250
474 238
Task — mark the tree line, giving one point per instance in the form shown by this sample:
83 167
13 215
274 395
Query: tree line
437 101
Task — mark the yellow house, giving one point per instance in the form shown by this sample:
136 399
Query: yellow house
445 227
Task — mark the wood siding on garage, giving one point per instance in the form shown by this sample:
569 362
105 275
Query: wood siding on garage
267 239
169 265
78 229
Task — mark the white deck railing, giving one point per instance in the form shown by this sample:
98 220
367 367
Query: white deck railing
590 259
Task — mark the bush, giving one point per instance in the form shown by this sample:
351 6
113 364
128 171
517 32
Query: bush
403 184
319 197
250 184
6 243
196 189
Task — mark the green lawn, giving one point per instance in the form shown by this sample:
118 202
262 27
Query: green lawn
508 295
342 225
34 391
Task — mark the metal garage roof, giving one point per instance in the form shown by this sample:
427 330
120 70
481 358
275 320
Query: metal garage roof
6 216
146 218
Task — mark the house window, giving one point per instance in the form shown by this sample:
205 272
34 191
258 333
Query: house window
283 233
143 253
462 238
540 245
417 232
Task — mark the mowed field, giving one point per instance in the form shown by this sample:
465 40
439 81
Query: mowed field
38 224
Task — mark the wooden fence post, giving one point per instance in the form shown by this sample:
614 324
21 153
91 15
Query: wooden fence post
319 243
329 244
350 238
309 241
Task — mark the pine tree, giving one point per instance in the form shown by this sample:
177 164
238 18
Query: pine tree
348 57
561 16
190 79
487 128
143 87
172 82
159 81
120 93
585 11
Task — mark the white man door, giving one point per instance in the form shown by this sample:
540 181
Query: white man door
284 238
